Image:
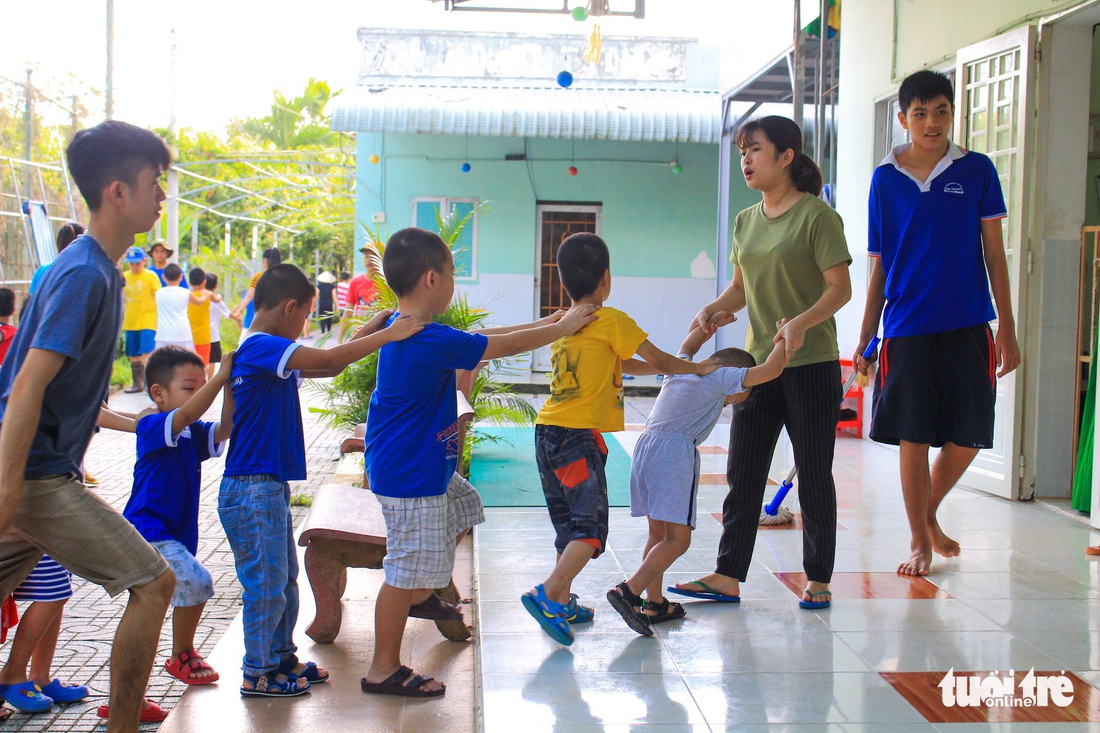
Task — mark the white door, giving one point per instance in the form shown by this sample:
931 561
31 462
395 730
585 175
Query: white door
554 223
995 98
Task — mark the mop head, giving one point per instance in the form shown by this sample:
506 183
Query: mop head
783 516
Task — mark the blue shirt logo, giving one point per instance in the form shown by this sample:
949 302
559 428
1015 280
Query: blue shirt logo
953 188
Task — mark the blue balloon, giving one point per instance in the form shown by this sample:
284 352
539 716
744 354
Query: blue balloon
465 167
565 79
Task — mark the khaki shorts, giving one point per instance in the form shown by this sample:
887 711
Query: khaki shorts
59 516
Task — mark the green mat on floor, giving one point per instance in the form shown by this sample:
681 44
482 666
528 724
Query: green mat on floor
505 473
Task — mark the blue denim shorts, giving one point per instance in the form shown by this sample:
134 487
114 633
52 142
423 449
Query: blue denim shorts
572 465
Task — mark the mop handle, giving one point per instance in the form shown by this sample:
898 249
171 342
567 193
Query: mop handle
788 483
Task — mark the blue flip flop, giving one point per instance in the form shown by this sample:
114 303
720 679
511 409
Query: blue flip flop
815 605
551 615
707 594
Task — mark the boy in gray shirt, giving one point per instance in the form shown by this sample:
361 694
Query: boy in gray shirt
664 472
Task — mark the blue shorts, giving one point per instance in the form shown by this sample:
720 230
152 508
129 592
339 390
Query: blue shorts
572 465
140 343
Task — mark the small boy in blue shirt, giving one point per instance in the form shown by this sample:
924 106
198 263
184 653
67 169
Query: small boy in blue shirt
412 444
172 443
268 450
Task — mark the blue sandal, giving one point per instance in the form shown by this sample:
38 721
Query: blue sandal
268 685
551 615
310 674
26 697
808 602
575 613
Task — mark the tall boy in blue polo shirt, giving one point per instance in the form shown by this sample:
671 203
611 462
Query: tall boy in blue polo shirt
412 444
172 443
934 237
268 450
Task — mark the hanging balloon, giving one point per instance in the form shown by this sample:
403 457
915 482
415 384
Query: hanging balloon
579 13
572 170
465 167
374 158
565 79
677 168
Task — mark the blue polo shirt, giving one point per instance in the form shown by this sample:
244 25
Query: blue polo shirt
411 444
929 238
267 420
76 312
164 503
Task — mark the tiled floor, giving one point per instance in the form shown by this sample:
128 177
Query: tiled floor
1023 595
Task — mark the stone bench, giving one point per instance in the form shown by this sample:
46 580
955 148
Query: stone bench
344 528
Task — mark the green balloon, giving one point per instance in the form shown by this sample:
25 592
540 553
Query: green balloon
677 169
579 13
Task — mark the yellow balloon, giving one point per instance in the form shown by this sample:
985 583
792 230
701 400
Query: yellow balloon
374 158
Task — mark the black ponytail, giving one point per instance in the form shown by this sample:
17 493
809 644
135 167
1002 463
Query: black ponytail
785 135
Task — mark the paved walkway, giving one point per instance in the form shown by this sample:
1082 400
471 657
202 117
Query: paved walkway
91 616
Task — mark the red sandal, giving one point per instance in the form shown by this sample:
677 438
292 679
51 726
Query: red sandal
150 712
184 667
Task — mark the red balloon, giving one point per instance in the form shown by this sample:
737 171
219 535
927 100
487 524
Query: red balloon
572 170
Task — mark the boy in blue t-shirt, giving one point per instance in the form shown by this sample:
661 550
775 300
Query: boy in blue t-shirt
412 444
172 443
936 250
268 450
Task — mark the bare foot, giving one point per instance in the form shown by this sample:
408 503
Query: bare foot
723 584
941 543
917 564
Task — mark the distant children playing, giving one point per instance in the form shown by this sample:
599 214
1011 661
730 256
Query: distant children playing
586 399
268 450
139 315
664 473
172 443
173 326
412 444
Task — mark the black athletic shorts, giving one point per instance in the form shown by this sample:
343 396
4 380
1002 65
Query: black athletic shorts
215 352
937 388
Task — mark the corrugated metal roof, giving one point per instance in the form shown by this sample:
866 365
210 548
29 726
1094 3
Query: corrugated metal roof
649 115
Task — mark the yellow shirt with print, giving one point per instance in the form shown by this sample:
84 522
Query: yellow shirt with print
586 390
140 301
199 318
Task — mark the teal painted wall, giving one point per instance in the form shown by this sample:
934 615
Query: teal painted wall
654 221
1092 191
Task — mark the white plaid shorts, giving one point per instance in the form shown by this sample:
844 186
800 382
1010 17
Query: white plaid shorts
421 534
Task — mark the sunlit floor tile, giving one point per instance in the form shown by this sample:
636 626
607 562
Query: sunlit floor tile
710 653
918 651
868 585
903 615
1012 585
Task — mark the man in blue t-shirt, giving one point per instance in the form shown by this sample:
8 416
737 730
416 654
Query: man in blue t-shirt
51 388
936 249
266 451
412 447
172 443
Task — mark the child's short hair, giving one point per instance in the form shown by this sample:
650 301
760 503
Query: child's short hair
924 86
164 362
172 272
113 151
196 277
733 358
409 254
273 256
68 232
582 260
344 276
211 281
281 283
7 302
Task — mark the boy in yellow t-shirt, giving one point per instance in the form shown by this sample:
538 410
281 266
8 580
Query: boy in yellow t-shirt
586 399
139 315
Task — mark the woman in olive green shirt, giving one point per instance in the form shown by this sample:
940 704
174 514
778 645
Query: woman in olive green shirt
790 262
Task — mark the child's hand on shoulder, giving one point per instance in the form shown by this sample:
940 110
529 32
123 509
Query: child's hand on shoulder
705 367
554 317
578 317
374 324
404 326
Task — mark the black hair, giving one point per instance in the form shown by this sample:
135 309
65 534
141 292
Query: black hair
281 283
733 358
172 272
163 363
211 281
409 254
345 276
924 86
196 277
7 302
273 256
113 151
583 258
67 233
785 135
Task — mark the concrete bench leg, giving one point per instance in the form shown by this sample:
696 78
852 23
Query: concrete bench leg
452 630
327 577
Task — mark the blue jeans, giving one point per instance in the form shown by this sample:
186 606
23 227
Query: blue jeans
255 512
